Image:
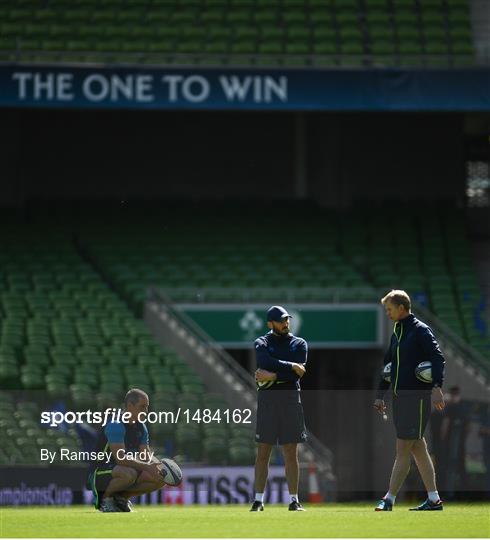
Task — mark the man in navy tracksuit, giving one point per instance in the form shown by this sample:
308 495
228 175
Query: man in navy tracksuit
412 342
281 359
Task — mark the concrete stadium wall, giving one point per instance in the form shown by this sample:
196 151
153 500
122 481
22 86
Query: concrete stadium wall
351 158
386 157
119 155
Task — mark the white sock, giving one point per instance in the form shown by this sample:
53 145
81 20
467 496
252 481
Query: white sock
433 496
259 497
294 497
390 497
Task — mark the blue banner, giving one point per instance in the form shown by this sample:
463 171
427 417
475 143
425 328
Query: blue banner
219 89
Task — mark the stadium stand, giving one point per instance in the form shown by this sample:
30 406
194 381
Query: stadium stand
210 260
70 305
22 435
65 336
428 256
239 32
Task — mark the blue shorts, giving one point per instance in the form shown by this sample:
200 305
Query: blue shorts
411 412
280 417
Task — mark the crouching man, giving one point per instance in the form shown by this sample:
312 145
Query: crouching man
130 468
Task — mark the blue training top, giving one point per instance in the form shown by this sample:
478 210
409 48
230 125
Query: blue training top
131 435
277 354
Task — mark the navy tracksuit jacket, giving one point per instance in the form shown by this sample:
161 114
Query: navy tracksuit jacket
412 342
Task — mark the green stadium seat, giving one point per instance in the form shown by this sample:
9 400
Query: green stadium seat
346 5
381 33
194 33
104 15
212 16
294 17
132 16
297 48
219 32
462 47
404 4
270 47
28 45
459 18
241 455
9 365
271 33
243 47
77 15
407 18
104 45
108 399
33 30
410 47
352 34
158 16
294 4
266 16
347 20
188 441
321 18
32 379
378 18
237 4
435 33
78 45
104 31
436 48
378 5
351 48
11 29
236 17
52 45
24 15
42 360
189 46
383 48
216 451
216 47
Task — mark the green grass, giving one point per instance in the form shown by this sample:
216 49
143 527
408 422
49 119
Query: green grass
328 520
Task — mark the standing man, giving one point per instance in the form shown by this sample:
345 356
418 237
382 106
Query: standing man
412 342
281 359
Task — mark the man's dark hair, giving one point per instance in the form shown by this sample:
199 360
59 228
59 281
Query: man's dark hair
134 395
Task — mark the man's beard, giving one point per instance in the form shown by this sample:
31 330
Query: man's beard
284 332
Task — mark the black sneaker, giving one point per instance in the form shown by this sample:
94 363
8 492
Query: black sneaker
384 505
296 507
123 504
108 505
257 506
428 505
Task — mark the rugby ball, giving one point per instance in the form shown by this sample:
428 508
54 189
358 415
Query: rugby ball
386 372
171 472
423 372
